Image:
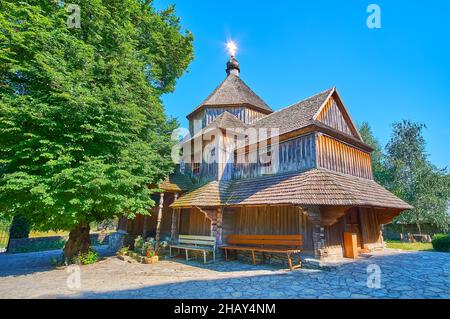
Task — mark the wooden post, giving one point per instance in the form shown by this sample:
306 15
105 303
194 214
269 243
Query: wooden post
318 234
158 221
219 221
173 229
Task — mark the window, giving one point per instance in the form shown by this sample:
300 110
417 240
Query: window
196 168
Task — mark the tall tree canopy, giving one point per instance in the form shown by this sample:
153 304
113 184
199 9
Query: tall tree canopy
413 178
405 170
82 127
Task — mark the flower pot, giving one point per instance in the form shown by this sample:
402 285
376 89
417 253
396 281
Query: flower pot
151 260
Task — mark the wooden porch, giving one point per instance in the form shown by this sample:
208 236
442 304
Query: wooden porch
321 227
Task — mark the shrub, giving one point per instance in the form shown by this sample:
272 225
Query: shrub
441 242
20 227
86 259
123 251
138 243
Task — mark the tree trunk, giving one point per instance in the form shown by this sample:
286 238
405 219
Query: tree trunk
418 227
78 242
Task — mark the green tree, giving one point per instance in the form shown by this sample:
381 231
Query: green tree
377 155
414 179
82 127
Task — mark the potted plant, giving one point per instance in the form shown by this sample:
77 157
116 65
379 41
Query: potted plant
122 252
151 250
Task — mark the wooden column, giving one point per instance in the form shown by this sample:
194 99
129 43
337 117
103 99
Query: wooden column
318 233
158 220
219 222
173 229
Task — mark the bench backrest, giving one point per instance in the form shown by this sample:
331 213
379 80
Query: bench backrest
266 240
197 240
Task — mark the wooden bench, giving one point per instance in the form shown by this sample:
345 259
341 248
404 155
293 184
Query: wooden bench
195 243
287 244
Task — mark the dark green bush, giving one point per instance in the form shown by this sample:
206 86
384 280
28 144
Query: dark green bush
441 242
20 227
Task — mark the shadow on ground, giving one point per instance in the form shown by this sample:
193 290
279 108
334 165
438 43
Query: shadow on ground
22 264
409 275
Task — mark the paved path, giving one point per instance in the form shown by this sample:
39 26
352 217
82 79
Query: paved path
403 275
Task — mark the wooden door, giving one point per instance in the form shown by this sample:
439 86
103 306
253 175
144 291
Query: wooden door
353 225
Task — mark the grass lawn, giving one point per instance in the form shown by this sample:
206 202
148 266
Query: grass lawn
34 234
397 244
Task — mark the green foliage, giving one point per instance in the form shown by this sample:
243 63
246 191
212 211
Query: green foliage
82 127
377 155
87 258
20 227
418 246
138 244
123 251
152 248
148 248
441 242
406 171
413 178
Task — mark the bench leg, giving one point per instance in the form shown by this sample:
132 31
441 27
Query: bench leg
204 256
214 255
170 252
253 257
226 254
187 254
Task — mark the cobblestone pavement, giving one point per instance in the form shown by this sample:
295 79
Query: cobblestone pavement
403 275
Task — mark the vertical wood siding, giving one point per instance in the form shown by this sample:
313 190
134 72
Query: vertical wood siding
370 226
337 156
194 222
245 114
296 154
332 116
268 220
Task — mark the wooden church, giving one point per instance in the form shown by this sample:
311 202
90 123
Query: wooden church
306 172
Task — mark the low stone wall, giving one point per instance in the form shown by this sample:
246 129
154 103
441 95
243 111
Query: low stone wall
49 243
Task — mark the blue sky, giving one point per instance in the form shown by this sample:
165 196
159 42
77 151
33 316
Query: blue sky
290 50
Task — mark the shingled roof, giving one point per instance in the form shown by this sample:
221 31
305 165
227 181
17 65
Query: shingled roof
233 91
226 120
177 182
295 116
313 187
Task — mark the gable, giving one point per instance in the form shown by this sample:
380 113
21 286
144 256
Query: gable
334 114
